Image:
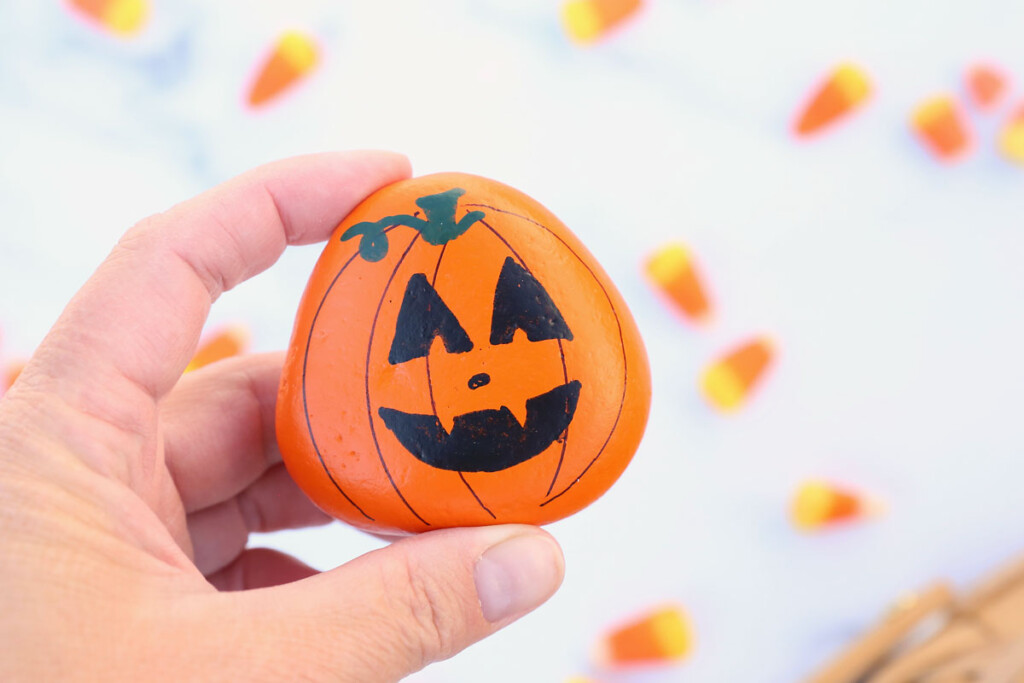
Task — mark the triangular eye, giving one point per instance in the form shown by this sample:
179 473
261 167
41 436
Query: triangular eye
422 317
520 302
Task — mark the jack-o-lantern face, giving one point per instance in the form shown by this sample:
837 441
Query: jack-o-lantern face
459 359
492 439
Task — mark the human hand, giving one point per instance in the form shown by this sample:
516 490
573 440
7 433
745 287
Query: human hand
127 492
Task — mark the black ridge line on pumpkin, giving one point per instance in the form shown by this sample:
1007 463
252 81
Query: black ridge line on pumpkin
366 374
430 389
622 343
305 402
561 351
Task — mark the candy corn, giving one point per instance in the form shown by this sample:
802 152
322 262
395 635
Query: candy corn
1011 139
845 90
11 373
986 85
294 56
587 21
940 125
226 343
123 17
659 637
728 381
819 504
672 270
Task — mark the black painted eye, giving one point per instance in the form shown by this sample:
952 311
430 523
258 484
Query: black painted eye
422 317
520 302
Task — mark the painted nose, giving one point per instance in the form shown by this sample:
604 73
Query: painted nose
480 380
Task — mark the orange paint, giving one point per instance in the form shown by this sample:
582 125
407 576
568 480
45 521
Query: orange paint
123 17
294 56
452 327
672 270
986 85
941 126
728 382
228 342
588 21
819 504
659 637
1011 138
844 91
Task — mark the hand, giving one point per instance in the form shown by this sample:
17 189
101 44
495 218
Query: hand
127 492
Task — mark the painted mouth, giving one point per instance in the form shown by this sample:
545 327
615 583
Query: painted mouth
486 440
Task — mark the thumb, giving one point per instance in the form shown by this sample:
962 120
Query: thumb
422 599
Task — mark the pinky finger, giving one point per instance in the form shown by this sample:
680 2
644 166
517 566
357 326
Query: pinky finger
260 568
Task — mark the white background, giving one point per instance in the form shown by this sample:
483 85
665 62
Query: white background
891 284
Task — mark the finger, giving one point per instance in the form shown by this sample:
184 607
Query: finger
132 328
260 568
218 426
395 610
219 533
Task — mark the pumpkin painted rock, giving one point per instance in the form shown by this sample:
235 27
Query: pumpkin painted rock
459 359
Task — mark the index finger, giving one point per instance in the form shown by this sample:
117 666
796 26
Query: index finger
137 320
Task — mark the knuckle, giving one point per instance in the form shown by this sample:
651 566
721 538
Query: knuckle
426 609
254 517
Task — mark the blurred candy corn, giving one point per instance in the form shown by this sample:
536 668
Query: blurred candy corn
123 17
729 380
587 21
1011 139
986 85
819 504
672 270
658 637
580 679
845 90
225 343
940 125
11 373
294 56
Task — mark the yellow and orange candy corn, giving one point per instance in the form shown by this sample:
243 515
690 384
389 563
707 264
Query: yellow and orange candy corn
986 85
294 56
843 92
1011 139
11 374
728 382
228 342
123 17
587 21
659 637
673 271
820 504
941 126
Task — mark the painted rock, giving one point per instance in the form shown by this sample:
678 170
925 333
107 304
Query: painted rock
459 359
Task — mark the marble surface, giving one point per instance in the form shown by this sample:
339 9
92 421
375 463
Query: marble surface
892 284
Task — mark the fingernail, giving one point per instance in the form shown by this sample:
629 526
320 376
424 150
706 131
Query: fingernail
516 575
